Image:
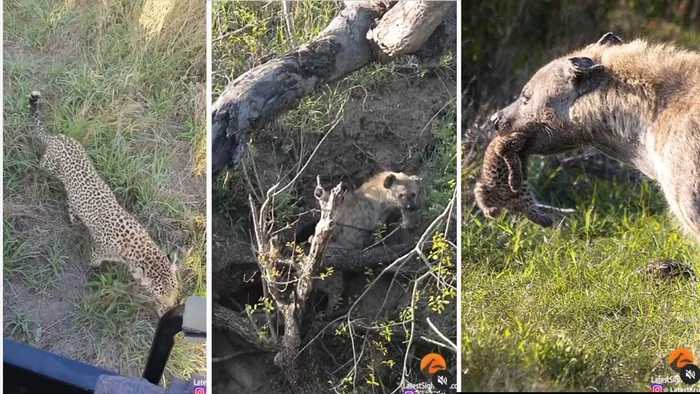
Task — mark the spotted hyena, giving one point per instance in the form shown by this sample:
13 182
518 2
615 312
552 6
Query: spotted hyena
364 208
361 212
637 102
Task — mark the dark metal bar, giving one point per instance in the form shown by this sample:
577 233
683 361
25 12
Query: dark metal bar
169 325
39 371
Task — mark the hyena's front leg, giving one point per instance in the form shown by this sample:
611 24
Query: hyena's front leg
684 201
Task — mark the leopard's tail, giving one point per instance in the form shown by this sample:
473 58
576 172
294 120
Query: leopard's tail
38 124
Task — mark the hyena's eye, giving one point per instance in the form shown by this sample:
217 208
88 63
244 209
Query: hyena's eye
525 99
413 195
402 195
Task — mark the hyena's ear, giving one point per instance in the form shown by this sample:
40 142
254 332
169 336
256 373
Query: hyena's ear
585 74
609 39
389 180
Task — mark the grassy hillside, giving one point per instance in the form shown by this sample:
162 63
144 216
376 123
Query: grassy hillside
564 309
127 80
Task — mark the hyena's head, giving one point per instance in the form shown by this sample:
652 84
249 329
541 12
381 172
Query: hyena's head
404 190
545 101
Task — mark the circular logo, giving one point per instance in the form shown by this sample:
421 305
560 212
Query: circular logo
690 374
680 358
657 388
442 380
432 363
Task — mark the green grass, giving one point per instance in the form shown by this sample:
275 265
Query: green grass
126 79
21 327
565 309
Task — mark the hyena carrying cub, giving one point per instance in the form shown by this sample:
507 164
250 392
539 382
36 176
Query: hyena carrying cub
116 235
636 102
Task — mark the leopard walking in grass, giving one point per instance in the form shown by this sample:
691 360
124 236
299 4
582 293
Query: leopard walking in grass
116 234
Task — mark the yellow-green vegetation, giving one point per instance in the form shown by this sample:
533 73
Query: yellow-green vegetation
127 80
564 309
245 35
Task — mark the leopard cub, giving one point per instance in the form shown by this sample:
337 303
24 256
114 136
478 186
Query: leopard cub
116 235
503 183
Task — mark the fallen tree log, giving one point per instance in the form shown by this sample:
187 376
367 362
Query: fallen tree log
263 93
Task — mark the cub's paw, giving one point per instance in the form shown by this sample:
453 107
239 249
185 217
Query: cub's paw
492 212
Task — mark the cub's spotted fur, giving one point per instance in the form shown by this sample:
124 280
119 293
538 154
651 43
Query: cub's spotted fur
116 235
364 208
503 183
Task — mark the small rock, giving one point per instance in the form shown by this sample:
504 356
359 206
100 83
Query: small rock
667 269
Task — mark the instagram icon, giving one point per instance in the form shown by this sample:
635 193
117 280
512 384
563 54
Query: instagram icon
657 388
200 386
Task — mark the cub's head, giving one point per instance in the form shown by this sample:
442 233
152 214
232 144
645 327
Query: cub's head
545 101
405 193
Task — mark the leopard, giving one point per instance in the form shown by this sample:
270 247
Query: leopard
503 183
117 237
363 209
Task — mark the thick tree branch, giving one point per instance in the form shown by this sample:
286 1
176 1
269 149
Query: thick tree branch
236 268
406 26
263 93
225 319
